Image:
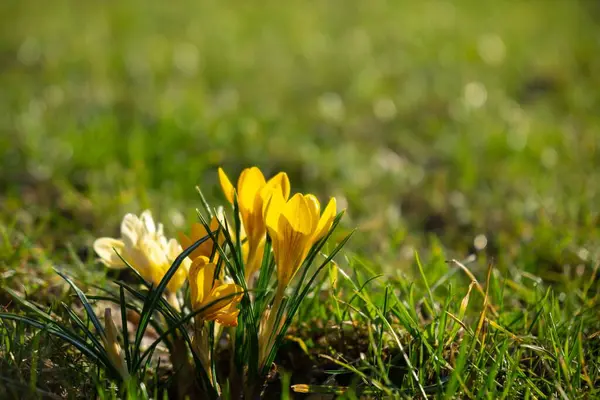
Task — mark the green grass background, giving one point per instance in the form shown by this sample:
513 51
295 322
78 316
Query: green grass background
432 122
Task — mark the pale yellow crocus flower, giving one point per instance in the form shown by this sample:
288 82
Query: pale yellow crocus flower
144 246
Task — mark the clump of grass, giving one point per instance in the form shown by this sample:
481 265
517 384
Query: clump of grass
495 339
36 365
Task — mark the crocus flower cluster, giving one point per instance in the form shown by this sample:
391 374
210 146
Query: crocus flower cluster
294 224
267 210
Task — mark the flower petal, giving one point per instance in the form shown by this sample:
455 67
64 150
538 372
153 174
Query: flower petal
223 300
201 277
105 248
148 221
326 220
226 185
253 258
111 345
250 183
229 292
293 244
160 230
131 230
279 181
173 250
228 318
315 207
299 214
214 223
272 210
184 239
177 280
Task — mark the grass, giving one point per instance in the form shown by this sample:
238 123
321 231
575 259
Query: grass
453 130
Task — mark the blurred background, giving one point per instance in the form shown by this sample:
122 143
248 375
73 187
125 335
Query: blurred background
447 127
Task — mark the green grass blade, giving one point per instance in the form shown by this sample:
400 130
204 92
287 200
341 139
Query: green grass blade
86 304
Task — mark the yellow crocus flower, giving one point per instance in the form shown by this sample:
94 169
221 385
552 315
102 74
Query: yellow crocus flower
294 227
198 232
144 246
206 291
253 192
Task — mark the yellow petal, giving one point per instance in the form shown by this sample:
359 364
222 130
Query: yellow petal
253 259
196 280
229 292
293 244
176 281
326 220
250 183
201 279
299 214
155 274
315 207
228 318
226 185
273 209
279 181
198 232
180 276
214 224
185 240
105 248
223 299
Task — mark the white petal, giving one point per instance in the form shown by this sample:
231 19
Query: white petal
130 230
160 230
105 248
151 254
148 221
163 243
173 249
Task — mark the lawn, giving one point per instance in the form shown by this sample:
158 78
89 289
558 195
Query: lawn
461 138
